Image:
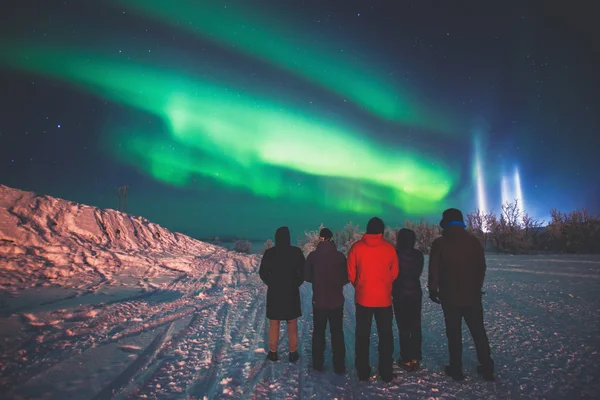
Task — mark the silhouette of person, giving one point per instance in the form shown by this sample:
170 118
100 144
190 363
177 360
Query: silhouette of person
407 295
325 269
372 267
456 273
281 269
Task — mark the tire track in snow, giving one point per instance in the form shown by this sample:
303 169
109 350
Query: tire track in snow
143 360
207 385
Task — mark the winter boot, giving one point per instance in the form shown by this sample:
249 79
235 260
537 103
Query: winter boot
272 356
453 373
405 365
294 356
487 373
340 370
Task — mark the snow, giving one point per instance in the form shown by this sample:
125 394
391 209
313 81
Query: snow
48 241
151 325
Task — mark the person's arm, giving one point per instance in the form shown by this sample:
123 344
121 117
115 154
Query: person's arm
351 265
265 268
420 264
395 268
308 268
343 269
434 271
300 272
481 264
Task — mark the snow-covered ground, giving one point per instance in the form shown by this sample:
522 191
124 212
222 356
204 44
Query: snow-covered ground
169 317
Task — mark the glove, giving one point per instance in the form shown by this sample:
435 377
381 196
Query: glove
434 296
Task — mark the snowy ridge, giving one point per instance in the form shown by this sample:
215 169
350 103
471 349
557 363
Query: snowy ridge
44 239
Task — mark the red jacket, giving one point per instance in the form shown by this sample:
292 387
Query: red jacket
372 267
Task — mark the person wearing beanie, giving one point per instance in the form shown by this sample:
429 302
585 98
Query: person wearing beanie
281 269
456 274
407 295
325 269
372 268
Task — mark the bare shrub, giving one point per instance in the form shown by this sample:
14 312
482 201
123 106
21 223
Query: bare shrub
242 246
574 232
426 233
477 225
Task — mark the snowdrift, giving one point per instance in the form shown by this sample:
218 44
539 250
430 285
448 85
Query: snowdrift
48 241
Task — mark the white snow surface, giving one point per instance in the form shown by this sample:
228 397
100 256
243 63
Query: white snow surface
185 333
45 240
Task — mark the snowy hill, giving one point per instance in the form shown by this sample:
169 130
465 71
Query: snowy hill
49 241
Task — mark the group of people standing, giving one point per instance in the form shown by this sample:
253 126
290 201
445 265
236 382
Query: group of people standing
386 280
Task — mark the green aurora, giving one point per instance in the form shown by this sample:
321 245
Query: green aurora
242 140
252 31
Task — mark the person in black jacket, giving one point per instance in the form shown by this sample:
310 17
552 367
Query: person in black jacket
407 295
456 273
281 269
325 268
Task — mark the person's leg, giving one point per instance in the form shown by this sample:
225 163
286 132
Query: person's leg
383 318
318 338
403 332
292 329
273 335
416 333
453 319
338 345
474 320
364 316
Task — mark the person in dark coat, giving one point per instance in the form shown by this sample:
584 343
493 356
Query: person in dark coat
281 269
456 273
407 298
325 269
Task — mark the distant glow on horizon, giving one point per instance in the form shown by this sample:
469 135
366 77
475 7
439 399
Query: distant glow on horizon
505 191
519 191
481 197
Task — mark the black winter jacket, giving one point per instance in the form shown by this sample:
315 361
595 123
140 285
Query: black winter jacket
281 269
408 283
457 267
326 269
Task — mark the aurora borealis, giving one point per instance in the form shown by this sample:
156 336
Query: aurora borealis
236 117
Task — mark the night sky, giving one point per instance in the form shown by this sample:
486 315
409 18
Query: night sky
236 117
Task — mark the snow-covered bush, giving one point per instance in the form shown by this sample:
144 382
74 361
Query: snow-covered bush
347 237
268 244
309 241
242 246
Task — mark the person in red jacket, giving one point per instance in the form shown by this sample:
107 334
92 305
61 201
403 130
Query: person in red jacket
372 268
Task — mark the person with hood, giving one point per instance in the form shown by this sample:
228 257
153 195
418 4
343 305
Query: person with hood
325 269
372 267
456 273
281 269
407 295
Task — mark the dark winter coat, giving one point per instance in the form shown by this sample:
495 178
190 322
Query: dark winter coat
457 267
281 269
407 285
326 269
